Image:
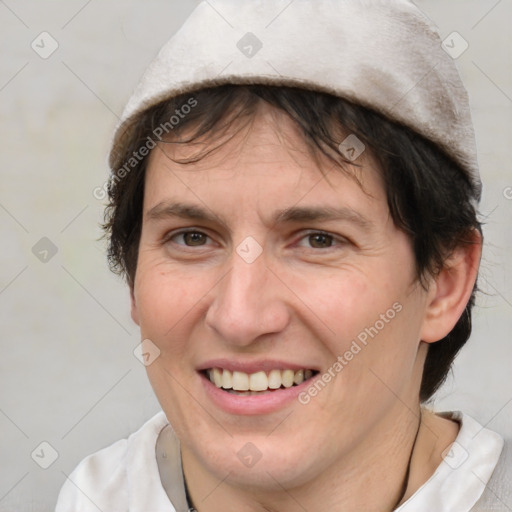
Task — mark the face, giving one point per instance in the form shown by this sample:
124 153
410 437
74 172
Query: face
256 270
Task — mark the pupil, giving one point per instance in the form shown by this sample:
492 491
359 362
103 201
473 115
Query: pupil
320 240
193 238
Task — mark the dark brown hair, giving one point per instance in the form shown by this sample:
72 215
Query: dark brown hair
429 196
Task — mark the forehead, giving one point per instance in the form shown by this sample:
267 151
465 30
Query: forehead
264 161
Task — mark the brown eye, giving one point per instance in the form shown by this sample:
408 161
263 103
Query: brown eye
194 238
190 238
320 240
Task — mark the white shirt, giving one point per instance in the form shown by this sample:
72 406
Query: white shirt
473 477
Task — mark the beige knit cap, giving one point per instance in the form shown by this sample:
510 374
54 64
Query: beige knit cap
381 54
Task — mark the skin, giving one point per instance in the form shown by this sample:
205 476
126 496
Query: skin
303 300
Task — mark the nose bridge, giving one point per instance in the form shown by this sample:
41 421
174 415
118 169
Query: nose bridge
247 302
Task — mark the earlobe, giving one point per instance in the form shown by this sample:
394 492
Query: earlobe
133 306
451 290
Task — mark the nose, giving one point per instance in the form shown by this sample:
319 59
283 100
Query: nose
248 302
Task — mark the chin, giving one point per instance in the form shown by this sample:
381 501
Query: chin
261 465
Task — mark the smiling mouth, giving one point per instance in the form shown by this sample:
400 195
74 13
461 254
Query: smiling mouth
259 383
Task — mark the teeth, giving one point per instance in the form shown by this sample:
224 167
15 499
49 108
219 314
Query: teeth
227 379
255 383
258 381
240 381
217 377
287 378
274 379
298 378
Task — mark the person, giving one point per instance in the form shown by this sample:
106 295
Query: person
293 202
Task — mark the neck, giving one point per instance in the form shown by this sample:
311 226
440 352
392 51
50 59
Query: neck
437 433
372 477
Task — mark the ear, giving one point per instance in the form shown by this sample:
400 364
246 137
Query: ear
133 306
451 290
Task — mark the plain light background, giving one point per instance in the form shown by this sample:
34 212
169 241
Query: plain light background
68 375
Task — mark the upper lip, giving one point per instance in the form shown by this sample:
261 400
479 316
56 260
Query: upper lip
253 366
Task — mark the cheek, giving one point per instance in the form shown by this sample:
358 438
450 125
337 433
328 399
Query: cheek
167 304
342 305
380 361
373 324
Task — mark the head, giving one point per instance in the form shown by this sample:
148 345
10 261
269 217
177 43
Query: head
375 302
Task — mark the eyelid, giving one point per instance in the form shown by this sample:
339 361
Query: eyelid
338 239
167 237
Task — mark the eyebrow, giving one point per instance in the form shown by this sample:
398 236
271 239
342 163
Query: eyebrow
294 214
164 210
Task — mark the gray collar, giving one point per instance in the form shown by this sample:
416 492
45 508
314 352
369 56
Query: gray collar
168 457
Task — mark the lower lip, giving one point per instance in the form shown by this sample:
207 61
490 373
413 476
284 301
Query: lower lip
253 404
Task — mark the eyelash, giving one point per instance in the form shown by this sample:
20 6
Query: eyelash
336 240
